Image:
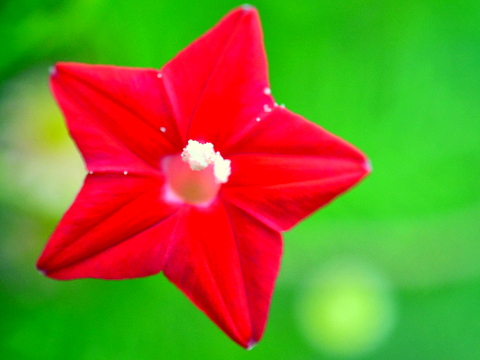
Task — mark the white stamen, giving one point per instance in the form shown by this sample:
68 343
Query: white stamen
125 172
199 156
52 70
275 104
90 172
221 169
267 108
267 91
163 129
282 106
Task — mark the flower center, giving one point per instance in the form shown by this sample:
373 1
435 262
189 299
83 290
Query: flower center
196 175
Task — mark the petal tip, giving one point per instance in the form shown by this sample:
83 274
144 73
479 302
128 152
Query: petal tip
251 344
247 7
52 70
42 271
367 165
42 266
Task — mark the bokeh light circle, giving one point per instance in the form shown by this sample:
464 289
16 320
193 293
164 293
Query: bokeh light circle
346 309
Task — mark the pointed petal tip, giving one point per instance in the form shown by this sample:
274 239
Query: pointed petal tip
61 67
247 10
251 344
41 271
368 166
52 70
247 7
40 265
43 267
56 71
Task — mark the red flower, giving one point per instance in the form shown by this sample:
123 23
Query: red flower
208 216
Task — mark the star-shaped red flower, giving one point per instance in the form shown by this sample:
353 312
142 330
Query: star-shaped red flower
193 170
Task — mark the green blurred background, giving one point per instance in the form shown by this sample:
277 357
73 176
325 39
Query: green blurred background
391 270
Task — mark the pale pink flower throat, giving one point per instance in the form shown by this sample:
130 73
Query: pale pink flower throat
196 175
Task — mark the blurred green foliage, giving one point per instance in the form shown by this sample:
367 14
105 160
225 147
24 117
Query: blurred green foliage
399 79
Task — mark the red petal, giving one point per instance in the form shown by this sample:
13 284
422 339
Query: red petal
226 263
217 83
118 227
289 167
114 115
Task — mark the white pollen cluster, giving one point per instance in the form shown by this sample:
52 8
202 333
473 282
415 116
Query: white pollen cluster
200 156
221 169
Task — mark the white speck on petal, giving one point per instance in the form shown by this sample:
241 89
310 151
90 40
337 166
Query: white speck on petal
258 119
125 172
159 75
267 108
163 129
52 70
267 91
90 172
275 104
282 106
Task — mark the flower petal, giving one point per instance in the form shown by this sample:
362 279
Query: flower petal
118 227
289 167
217 84
115 114
226 262
260 250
